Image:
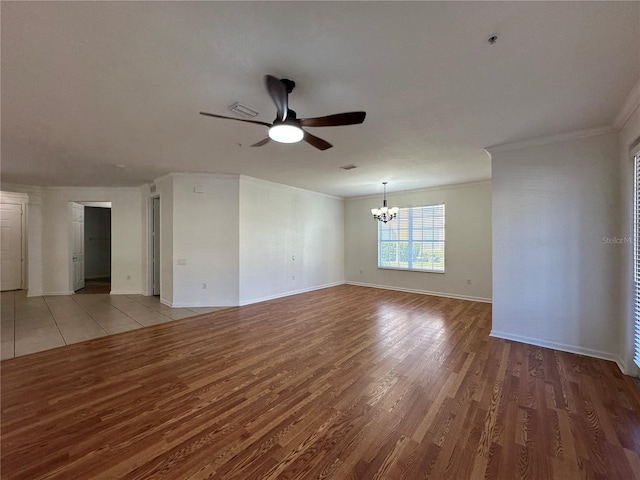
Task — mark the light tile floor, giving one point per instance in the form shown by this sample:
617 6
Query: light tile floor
33 324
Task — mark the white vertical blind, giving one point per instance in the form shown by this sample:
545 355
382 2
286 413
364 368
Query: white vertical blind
414 240
636 254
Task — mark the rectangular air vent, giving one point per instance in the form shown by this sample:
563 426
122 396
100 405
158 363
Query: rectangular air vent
349 167
243 110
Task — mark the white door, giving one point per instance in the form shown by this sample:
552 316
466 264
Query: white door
10 246
77 246
155 233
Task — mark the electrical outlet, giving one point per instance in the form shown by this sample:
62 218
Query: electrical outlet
293 277
182 261
293 257
360 272
204 286
468 281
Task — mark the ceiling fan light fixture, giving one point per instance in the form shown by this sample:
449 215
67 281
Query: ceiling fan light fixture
285 133
286 127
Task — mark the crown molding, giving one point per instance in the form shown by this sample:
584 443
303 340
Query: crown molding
201 176
14 197
214 176
19 187
628 106
248 179
539 141
399 193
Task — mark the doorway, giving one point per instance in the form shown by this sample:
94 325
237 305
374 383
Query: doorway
90 269
11 242
155 246
97 256
13 210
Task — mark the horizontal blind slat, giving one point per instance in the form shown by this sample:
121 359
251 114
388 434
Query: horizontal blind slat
414 240
636 256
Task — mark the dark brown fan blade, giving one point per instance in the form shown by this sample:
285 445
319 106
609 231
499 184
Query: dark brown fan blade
279 95
348 118
317 142
261 142
237 119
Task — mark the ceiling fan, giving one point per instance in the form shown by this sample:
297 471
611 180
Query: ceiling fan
287 128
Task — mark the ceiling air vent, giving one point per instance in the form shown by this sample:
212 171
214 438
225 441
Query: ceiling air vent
243 110
349 167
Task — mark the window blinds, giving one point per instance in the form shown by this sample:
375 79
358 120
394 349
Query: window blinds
414 240
636 255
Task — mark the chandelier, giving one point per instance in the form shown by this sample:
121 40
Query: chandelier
384 214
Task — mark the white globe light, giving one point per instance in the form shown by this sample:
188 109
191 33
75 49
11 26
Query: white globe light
286 133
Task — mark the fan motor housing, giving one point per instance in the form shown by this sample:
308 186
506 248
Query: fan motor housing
290 84
291 118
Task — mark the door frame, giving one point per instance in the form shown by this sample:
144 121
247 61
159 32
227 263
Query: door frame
84 203
71 206
22 199
150 291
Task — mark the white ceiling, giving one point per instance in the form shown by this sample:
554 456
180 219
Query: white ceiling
89 86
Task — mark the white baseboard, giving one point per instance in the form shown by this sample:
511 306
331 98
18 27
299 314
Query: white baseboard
31 293
71 292
291 292
193 305
589 352
248 302
190 305
423 292
627 369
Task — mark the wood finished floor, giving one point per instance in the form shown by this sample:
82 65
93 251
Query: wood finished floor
342 383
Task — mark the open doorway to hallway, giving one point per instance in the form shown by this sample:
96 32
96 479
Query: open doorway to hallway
91 256
154 250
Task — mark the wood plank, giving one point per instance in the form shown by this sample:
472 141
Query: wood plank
341 383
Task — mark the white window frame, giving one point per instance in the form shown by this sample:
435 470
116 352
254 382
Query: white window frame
437 212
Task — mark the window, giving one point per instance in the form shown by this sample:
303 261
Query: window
414 240
636 254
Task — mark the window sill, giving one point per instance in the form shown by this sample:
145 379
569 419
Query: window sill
409 270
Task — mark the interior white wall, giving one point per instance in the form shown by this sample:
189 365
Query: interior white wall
291 240
48 231
467 249
205 239
628 145
34 242
555 277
